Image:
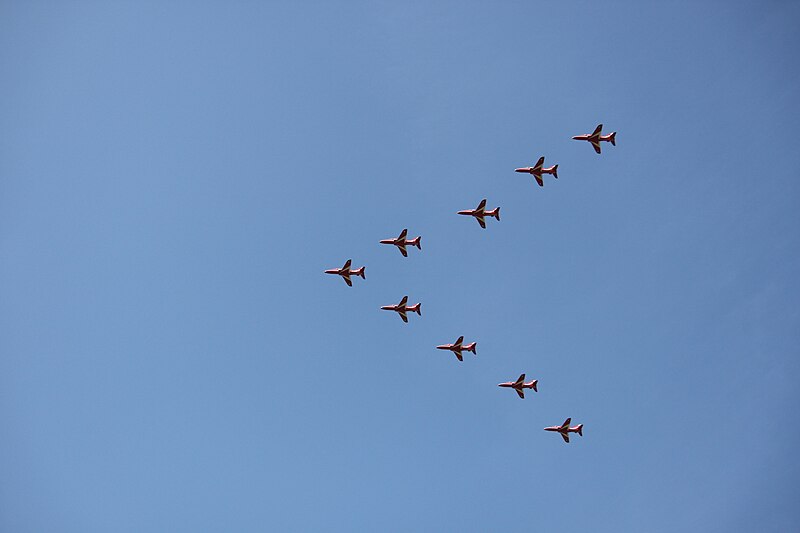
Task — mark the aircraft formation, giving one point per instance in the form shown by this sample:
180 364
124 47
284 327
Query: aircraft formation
480 213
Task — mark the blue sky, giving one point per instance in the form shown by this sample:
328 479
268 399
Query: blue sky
174 178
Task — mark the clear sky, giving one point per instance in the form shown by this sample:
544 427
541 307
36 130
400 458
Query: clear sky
175 176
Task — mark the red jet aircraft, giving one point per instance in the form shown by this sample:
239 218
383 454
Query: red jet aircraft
596 136
402 308
480 212
457 347
345 272
520 384
538 170
401 242
565 430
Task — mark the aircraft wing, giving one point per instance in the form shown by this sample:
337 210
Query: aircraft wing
458 354
539 180
403 315
459 341
565 436
566 423
404 301
403 234
539 163
520 380
402 248
596 146
346 265
598 130
346 278
481 205
481 222
521 394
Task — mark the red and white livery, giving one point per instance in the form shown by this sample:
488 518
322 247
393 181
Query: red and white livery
565 430
596 136
480 212
520 385
345 272
457 347
537 170
401 242
402 308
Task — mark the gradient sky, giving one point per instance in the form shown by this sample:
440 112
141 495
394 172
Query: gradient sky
175 176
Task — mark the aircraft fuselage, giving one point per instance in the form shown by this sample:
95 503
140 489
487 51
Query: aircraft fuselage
593 138
480 213
400 242
559 429
513 385
537 171
458 347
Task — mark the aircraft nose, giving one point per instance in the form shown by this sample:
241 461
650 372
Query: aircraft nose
442 347
520 170
576 138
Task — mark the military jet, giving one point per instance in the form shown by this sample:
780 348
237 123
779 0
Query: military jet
402 308
401 242
457 347
596 136
345 272
537 171
520 384
480 212
565 430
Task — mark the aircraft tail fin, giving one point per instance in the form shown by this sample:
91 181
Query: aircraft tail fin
535 382
555 172
360 272
496 213
416 243
580 429
613 138
416 309
471 348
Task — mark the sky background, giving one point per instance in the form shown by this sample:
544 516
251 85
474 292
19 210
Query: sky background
175 176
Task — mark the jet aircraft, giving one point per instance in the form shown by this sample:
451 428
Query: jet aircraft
520 385
565 430
345 272
402 308
401 242
457 347
596 136
480 212
537 171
